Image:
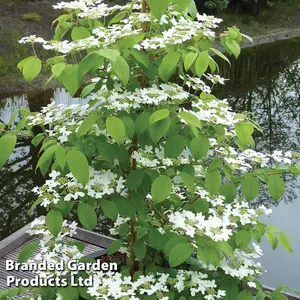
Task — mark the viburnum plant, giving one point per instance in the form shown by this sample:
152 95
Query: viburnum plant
154 151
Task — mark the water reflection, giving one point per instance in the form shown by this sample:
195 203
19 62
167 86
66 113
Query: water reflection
18 176
265 80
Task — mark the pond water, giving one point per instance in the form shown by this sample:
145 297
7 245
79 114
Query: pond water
265 80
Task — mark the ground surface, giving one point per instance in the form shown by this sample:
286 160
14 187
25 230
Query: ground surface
277 23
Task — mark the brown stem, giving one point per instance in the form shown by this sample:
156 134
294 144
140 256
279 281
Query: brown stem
133 167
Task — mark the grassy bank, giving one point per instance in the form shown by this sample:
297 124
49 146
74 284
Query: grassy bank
22 17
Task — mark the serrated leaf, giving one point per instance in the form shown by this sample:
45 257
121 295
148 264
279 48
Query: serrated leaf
250 187
189 60
79 166
161 188
139 249
7 145
168 65
116 129
121 68
276 186
202 63
87 124
158 115
87 216
272 239
180 253
114 246
285 243
199 146
109 208
80 33
27 251
213 181
54 220
135 179
174 146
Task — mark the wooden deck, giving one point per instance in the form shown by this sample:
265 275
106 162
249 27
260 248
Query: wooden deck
95 246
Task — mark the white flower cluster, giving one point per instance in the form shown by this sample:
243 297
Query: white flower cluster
214 111
245 160
53 249
121 99
113 286
182 30
102 183
61 120
221 221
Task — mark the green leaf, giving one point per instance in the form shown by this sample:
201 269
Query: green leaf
272 239
161 188
116 129
158 7
233 46
199 146
109 208
61 156
70 78
228 190
202 63
189 60
114 246
110 54
79 166
135 179
106 151
7 145
45 160
118 17
220 54
188 181
159 129
190 118
87 124
285 243
182 4
31 67
129 126
225 248
213 181
244 132
121 68
139 249
243 238
174 146
180 253
54 220
158 115
250 187
142 122
68 293
126 207
64 206
276 186
57 69
87 90
87 216
79 33
90 63
27 251
245 295
168 65
141 57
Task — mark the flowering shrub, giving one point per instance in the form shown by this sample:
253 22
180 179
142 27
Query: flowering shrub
154 151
